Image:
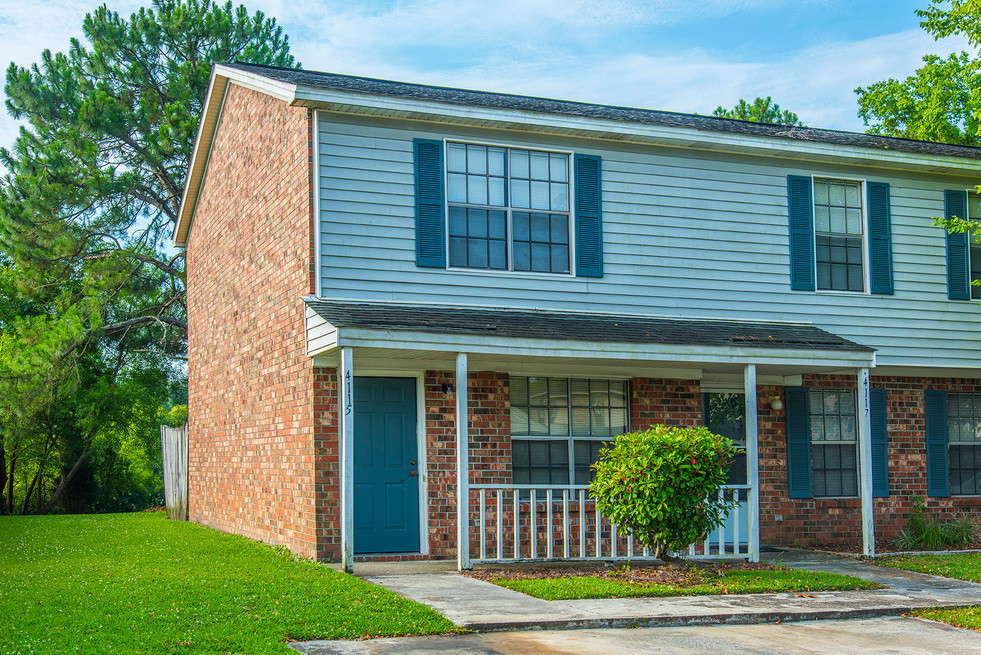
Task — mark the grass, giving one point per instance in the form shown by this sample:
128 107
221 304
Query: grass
138 583
965 566
733 582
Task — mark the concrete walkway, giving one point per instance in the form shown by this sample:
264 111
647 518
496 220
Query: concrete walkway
485 607
899 636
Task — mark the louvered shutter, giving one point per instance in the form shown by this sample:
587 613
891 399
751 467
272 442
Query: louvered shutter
880 239
938 468
430 221
801 213
880 443
589 216
958 275
798 443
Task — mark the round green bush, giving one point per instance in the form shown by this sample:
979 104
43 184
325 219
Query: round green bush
662 486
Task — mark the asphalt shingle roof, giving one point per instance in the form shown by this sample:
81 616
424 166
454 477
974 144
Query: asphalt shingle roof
570 326
586 110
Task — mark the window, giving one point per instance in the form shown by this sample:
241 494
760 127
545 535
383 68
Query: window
508 209
964 442
974 249
838 235
833 442
558 426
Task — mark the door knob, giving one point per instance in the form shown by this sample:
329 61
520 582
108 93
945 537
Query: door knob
412 474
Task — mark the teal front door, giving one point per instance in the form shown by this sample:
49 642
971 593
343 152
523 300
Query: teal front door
386 481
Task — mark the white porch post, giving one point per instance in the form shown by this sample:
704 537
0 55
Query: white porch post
462 466
753 462
865 462
345 404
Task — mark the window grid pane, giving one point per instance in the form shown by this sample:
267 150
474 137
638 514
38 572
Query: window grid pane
568 414
838 231
488 176
478 238
964 438
834 465
974 251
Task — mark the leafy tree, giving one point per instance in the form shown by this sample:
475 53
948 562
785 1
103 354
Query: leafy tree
90 199
762 110
942 99
662 486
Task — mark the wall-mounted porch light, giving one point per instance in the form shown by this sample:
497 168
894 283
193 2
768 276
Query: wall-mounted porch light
776 403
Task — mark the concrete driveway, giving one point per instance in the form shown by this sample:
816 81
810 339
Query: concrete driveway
904 636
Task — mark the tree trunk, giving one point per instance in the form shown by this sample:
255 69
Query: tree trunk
10 485
34 482
3 477
65 479
661 552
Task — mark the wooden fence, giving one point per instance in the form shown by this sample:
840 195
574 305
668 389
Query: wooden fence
173 441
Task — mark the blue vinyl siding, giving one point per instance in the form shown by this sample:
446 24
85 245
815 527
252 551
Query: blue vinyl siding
685 233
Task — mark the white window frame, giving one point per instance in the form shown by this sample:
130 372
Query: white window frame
951 443
971 289
852 443
508 209
862 182
571 439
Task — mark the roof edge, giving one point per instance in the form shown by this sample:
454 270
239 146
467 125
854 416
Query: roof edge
221 77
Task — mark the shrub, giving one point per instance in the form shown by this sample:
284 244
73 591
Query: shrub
662 486
926 533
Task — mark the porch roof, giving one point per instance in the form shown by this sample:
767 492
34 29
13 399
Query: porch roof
584 327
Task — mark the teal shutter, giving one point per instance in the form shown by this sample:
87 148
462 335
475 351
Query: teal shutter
880 444
958 273
880 239
798 443
938 468
589 216
430 222
801 212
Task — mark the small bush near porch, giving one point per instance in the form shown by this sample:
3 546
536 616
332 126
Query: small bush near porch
962 566
138 583
661 485
627 582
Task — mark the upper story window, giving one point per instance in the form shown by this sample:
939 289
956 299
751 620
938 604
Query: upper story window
839 235
508 209
974 248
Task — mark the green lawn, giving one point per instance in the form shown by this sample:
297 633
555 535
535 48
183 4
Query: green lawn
138 583
965 566
734 582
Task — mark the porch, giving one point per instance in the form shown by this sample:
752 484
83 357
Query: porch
496 519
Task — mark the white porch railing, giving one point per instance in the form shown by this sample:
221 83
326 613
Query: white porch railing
524 523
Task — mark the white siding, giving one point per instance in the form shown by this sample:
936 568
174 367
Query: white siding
320 334
685 234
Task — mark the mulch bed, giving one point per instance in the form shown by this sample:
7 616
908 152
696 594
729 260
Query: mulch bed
853 547
688 576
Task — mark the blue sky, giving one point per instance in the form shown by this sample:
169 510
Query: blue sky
688 56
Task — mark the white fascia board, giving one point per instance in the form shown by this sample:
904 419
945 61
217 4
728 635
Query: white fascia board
406 340
926 372
221 77
407 108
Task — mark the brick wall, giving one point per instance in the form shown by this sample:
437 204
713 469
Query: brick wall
824 520
490 447
250 383
667 402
